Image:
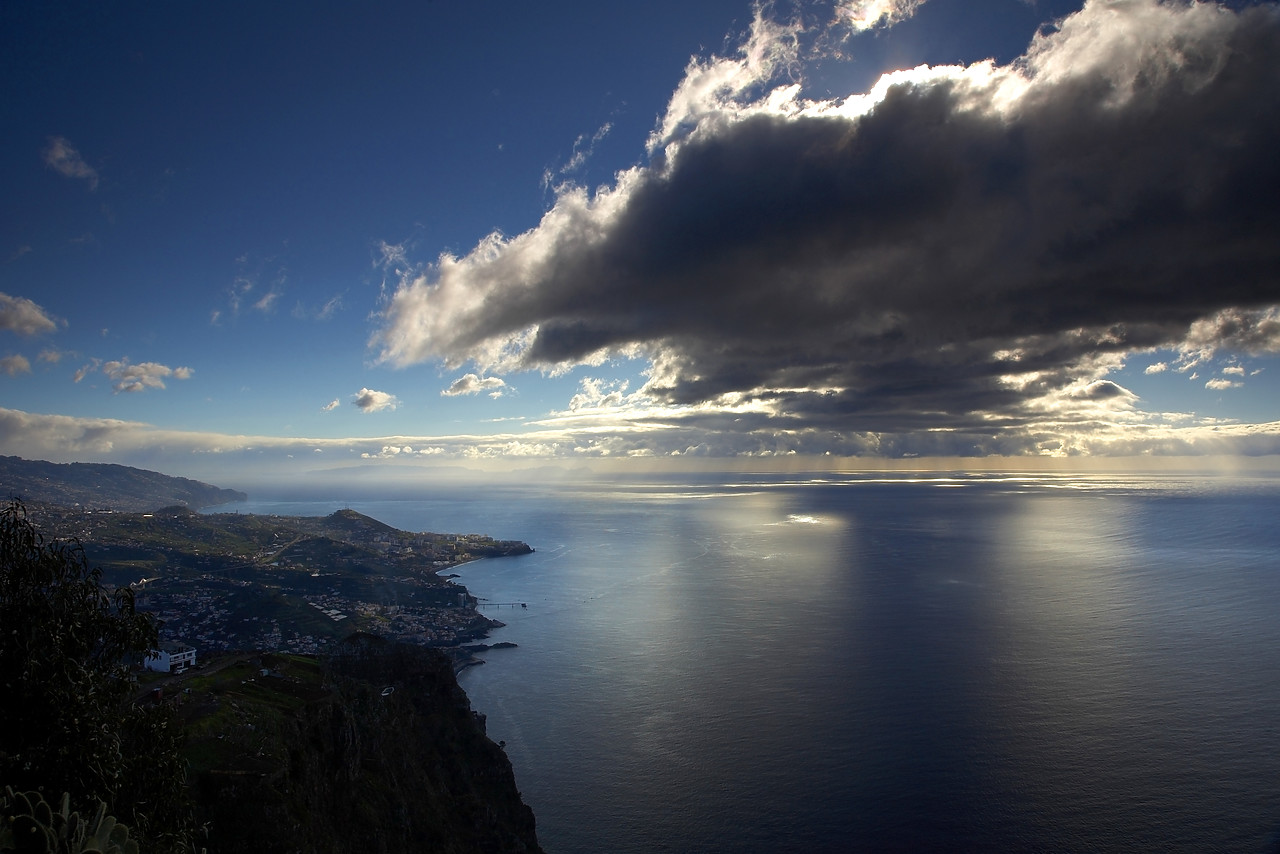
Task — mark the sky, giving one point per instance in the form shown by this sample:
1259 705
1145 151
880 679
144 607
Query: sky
266 239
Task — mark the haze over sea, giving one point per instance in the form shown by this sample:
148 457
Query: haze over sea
962 662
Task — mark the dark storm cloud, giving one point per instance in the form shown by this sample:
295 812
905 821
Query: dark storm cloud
969 247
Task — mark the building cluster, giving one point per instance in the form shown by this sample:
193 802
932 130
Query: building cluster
228 582
216 619
425 624
171 657
191 611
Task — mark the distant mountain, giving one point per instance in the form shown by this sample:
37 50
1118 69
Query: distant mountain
105 486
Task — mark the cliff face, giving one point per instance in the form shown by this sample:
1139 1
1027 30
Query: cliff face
357 768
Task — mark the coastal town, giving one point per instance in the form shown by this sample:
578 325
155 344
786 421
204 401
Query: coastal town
228 581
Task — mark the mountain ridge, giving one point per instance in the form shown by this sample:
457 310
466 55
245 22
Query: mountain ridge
106 486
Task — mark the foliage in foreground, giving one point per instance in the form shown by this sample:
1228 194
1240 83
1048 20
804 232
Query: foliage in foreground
67 723
29 824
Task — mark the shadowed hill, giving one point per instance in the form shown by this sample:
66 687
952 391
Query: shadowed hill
353 522
105 486
372 751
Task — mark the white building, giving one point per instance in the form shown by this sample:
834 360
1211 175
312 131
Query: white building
171 657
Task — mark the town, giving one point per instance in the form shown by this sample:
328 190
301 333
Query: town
229 582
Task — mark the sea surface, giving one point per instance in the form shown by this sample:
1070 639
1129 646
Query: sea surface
928 662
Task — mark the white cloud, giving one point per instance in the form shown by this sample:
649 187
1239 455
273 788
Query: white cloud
395 451
511 449
21 315
721 89
1237 370
473 384
266 303
246 290
1245 330
368 400
330 308
241 287
1220 384
84 370
583 148
861 15
130 378
331 405
1157 368
61 156
391 256
595 393
14 365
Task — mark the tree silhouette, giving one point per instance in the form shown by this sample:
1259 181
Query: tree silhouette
67 723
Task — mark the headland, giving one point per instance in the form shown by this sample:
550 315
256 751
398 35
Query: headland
293 584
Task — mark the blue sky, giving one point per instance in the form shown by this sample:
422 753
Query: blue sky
283 236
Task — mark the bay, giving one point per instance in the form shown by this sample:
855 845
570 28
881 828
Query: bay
858 662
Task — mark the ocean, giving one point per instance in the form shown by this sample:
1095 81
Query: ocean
870 662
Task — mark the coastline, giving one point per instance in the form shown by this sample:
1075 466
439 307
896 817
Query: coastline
296 584
464 651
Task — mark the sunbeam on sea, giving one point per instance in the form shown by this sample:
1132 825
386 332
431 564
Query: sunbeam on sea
868 663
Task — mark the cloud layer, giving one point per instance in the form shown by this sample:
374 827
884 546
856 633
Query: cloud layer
961 253
218 456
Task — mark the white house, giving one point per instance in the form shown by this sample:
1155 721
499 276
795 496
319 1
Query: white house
171 657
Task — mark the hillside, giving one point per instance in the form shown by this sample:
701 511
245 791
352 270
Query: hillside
371 746
371 751
104 486
231 581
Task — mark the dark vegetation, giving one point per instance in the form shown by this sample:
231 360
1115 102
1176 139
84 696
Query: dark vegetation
264 752
293 753
29 824
66 721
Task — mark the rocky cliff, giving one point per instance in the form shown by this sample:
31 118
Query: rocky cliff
382 753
